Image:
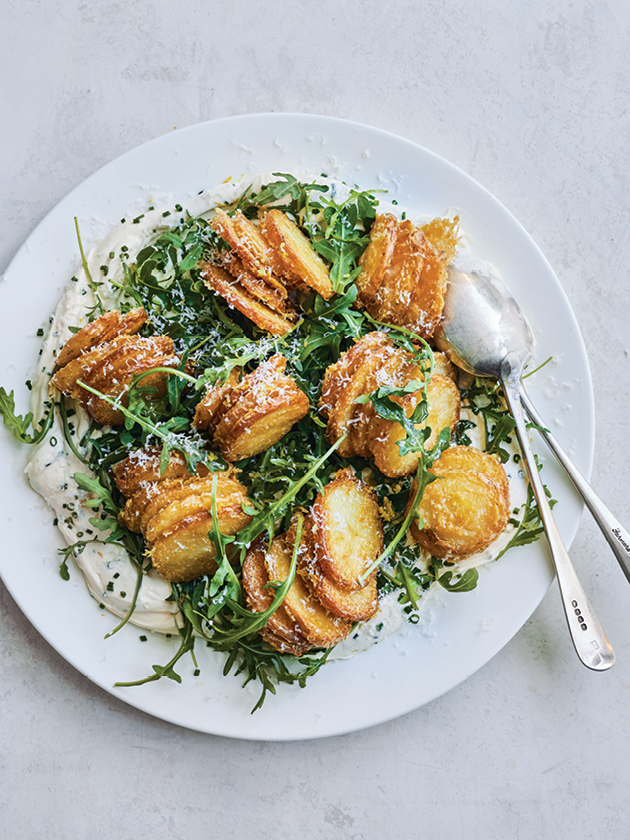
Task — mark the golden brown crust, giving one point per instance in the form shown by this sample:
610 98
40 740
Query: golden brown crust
462 513
358 605
184 552
319 626
152 497
443 234
466 508
274 296
444 410
87 338
257 428
132 516
222 282
396 371
347 533
247 241
471 458
251 415
143 465
299 262
403 281
338 374
173 511
371 363
427 294
197 498
106 327
177 534
346 414
394 295
110 367
376 257
214 403
281 631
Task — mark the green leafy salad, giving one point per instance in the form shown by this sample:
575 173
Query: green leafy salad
156 262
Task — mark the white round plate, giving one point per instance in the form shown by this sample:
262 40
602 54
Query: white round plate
405 671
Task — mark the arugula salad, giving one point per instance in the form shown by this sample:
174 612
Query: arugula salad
190 404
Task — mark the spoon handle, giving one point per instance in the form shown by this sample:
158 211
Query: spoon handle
589 640
618 537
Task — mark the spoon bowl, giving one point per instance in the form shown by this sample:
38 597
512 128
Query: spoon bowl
481 324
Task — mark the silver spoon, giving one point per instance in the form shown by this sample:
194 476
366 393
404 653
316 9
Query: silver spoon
618 537
484 332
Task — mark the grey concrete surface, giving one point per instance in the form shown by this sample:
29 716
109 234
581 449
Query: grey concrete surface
531 98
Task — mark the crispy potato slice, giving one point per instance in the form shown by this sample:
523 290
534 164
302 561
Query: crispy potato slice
178 534
346 413
338 375
404 276
444 411
153 497
466 508
443 365
161 492
230 497
395 371
251 436
126 356
376 257
274 296
443 235
222 282
281 631
142 466
427 298
471 458
66 377
87 338
105 328
185 552
463 513
246 239
263 407
214 403
394 294
114 379
317 624
300 264
110 367
359 605
177 511
369 364
347 532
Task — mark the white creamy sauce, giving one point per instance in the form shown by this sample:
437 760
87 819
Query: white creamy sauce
52 464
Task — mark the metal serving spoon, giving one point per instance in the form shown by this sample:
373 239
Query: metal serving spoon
484 332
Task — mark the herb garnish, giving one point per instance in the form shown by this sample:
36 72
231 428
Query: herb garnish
19 425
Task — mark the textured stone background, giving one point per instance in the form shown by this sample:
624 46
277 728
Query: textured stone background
531 99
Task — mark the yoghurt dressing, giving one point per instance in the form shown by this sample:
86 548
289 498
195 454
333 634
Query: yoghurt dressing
52 464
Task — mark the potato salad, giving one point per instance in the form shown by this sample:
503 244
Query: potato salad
248 438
